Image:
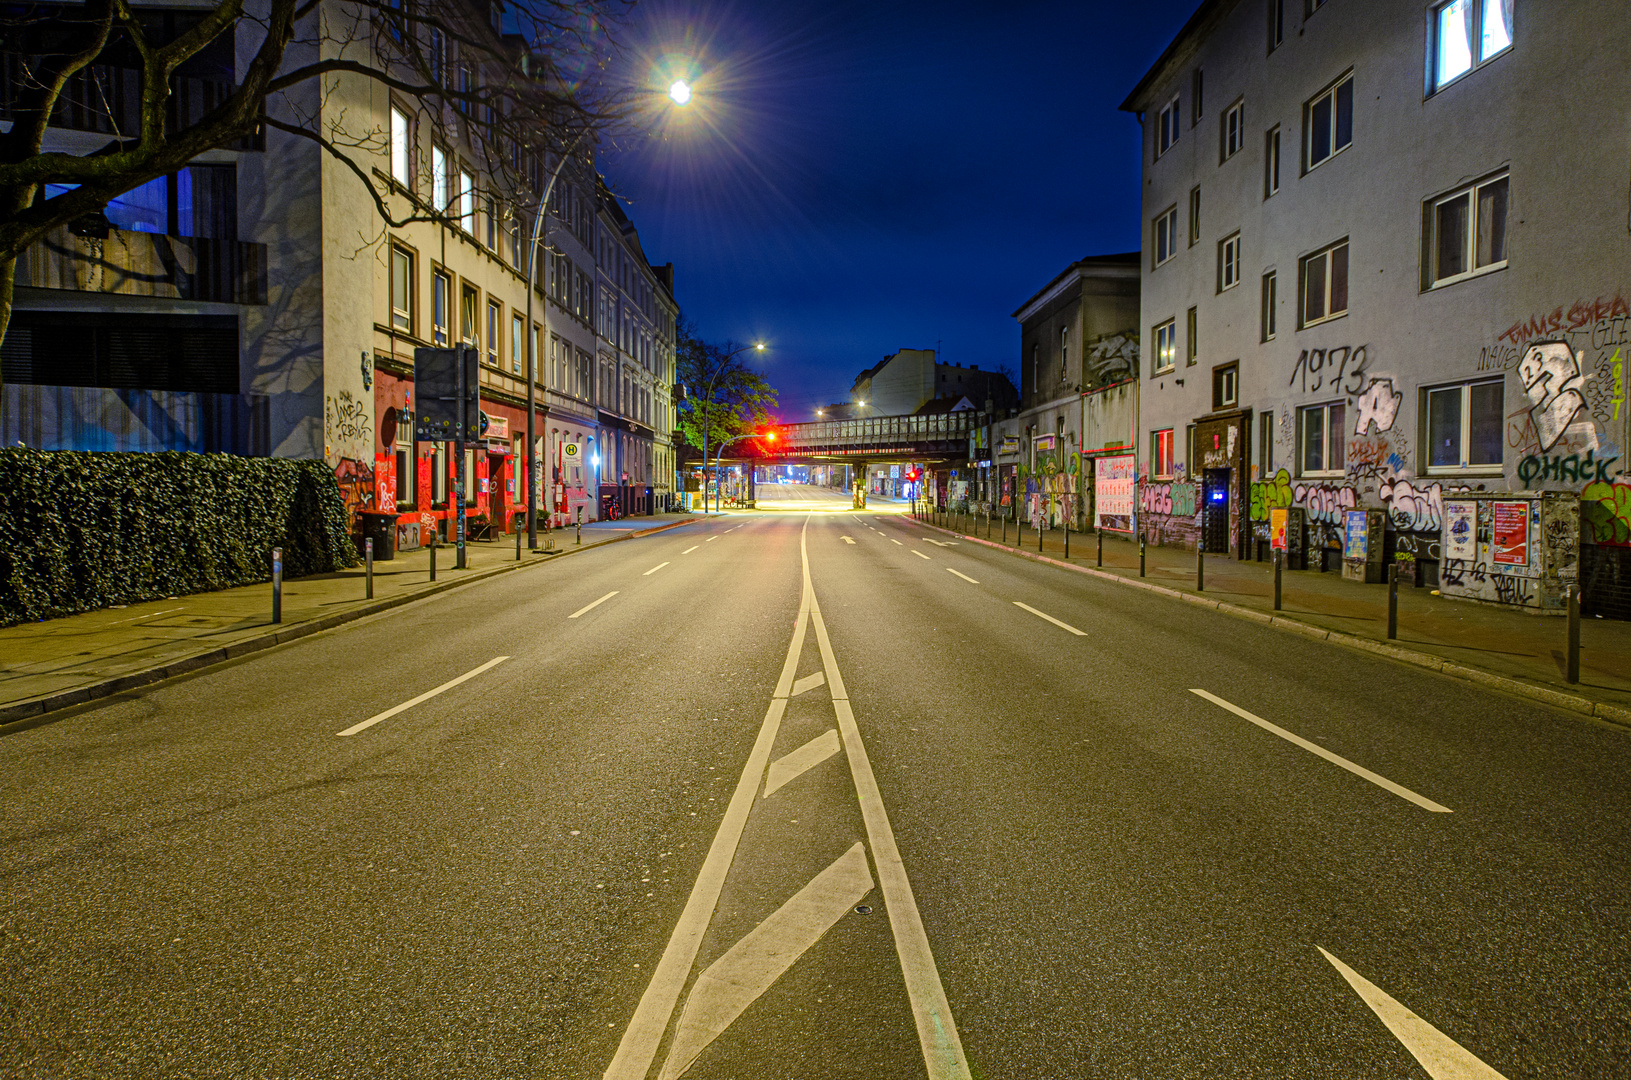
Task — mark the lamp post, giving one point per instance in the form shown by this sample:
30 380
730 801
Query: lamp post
769 436
708 401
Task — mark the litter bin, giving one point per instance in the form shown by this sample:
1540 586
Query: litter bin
381 529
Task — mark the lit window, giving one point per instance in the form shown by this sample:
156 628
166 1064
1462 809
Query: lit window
1467 232
1166 235
1229 262
1167 133
1466 34
1166 346
438 180
1270 298
401 148
1320 434
1324 285
1464 427
1161 453
1328 123
401 290
1234 129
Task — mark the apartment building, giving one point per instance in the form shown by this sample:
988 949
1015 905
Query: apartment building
1385 261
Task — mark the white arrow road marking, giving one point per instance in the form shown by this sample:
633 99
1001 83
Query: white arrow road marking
919 554
1441 1056
591 607
1050 618
846 540
962 575
735 980
426 696
941 543
690 549
1335 759
803 759
654 569
809 682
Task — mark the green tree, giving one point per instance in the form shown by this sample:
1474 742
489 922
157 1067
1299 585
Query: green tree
723 395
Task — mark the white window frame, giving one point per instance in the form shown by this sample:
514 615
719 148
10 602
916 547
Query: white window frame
467 202
1333 425
441 198
1194 215
1229 262
401 148
1270 304
1167 218
1469 249
1165 337
495 337
1192 335
1464 465
1156 470
1271 162
441 307
401 305
1228 374
1234 129
1064 354
1167 125
1476 56
1328 254
518 342
1333 92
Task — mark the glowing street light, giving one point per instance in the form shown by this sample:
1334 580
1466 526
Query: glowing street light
681 93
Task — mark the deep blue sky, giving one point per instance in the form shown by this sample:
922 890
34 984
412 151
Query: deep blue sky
867 176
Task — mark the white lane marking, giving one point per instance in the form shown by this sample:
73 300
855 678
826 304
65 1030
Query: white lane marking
690 549
654 569
846 540
749 967
936 1030
962 575
1050 618
806 757
919 554
1335 759
809 682
941 543
1442 1057
892 540
711 539
426 696
639 1044
149 615
590 607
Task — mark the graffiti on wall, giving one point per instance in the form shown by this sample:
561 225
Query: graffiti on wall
1168 500
1111 359
1339 370
1550 373
1605 513
347 421
356 480
1376 407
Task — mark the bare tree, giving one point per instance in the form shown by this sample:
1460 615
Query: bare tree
518 84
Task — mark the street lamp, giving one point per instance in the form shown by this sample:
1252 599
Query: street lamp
708 400
769 436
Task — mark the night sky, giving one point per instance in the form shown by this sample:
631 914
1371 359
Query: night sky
855 178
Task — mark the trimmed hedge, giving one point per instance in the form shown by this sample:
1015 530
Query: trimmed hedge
82 531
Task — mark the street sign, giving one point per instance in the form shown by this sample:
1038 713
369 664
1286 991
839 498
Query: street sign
441 415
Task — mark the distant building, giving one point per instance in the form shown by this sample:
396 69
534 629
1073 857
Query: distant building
901 383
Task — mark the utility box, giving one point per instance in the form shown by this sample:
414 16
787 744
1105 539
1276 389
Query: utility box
1516 549
859 500
1362 546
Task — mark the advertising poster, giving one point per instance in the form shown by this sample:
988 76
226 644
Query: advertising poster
1114 479
1277 527
1460 536
1010 444
1511 533
1354 537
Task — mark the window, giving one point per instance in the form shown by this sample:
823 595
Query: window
1320 431
1328 123
1226 386
1166 235
1265 444
1464 427
438 180
469 313
490 211
495 320
1161 453
1271 162
1270 299
401 148
1166 346
1277 24
1228 262
1234 129
1466 34
406 464
438 474
401 290
1167 133
467 202
1323 285
518 345
470 475
1064 354
1192 339
1311 6
1195 110
440 287
438 57
1194 216
1467 232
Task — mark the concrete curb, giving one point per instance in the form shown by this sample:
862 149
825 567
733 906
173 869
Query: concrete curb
27 712
1560 699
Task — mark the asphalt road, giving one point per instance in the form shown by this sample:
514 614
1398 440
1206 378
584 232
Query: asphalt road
641 844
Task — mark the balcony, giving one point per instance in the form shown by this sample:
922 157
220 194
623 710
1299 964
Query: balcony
147 264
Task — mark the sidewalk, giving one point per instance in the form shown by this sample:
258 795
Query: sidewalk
61 662
1508 650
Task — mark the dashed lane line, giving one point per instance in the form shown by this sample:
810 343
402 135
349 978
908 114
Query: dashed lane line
919 554
1320 751
426 696
690 549
962 575
590 607
892 540
1050 618
654 569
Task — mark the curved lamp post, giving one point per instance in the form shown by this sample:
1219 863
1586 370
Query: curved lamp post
769 436
708 400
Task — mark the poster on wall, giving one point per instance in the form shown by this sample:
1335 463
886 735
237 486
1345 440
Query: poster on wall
1355 539
1460 536
1511 533
1010 444
1113 494
1278 516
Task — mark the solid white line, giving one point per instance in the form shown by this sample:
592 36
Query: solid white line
806 757
808 683
690 549
426 696
1050 618
1441 1056
962 575
919 554
591 607
654 569
1335 759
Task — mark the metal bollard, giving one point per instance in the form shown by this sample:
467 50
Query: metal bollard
1279 562
1067 538
1005 528
1200 565
277 585
579 539
1039 536
518 541
1100 531
433 557
1573 673
368 564
1392 601
1140 556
